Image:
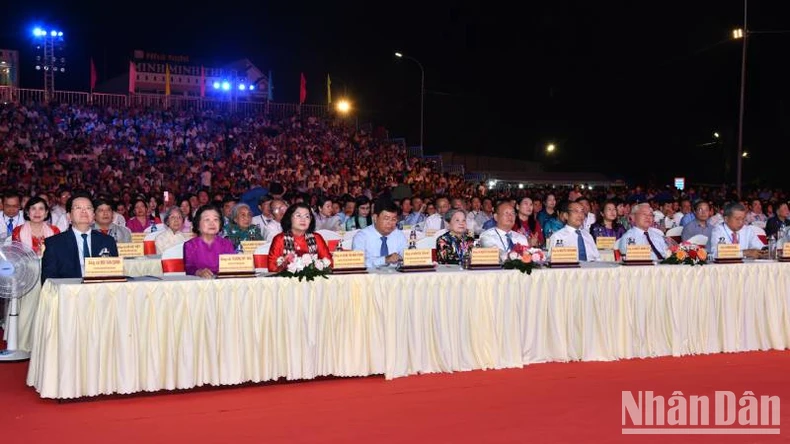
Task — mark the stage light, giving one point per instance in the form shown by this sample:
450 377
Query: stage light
53 33
46 68
38 67
226 86
252 87
242 87
38 32
216 85
62 69
60 33
521 186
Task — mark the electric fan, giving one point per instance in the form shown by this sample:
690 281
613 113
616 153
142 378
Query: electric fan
20 270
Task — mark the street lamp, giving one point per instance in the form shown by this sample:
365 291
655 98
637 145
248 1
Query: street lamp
550 148
742 34
422 93
343 106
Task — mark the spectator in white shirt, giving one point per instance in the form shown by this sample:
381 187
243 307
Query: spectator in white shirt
573 234
735 231
273 228
643 233
435 221
756 215
589 217
502 235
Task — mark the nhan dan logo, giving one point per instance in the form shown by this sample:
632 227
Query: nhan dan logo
726 413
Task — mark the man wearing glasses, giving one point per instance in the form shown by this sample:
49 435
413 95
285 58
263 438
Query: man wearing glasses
699 225
65 253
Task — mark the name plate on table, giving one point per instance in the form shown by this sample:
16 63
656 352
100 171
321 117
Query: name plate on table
349 262
418 258
131 249
429 233
605 243
785 256
103 269
729 251
564 255
638 253
485 256
236 265
249 247
138 237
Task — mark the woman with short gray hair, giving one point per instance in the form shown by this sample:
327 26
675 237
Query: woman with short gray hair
241 227
172 235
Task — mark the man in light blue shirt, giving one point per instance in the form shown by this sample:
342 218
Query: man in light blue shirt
382 243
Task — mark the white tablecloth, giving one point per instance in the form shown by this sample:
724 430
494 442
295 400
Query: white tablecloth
145 266
146 336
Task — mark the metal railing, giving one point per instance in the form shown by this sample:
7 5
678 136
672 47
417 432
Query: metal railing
272 110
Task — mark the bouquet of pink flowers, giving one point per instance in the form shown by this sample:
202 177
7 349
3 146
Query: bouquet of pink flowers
306 266
523 258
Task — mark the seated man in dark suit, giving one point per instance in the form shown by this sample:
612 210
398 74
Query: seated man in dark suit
65 253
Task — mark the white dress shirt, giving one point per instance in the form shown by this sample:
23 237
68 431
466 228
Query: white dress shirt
497 238
262 222
434 222
19 219
475 221
78 236
636 236
368 240
588 222
61 221
567 237
273 228
722 234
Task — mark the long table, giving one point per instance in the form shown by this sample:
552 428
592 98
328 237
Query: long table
181 333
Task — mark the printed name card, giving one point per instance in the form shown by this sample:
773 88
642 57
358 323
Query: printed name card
249 247
485 256
131 249
429 233
138 237
103 266
638 253
564 255
728 251
605 243
786 251
236 263
417 257
343 260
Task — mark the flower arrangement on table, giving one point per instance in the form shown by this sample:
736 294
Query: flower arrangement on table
306 266
686 254
523 258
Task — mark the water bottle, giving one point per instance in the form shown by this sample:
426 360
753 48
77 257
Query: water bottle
153 225
772 247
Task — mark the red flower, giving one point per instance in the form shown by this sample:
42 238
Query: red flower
693 254
673 248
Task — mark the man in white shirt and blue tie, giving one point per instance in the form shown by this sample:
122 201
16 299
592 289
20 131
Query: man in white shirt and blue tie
643 233
573 234
502 235
11 215
735 231
382 243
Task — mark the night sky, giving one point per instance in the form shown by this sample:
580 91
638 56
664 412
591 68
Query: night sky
626 88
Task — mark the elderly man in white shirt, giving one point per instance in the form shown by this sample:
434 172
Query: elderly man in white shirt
273 228
735 231
573 234
435 222
502 235
643 233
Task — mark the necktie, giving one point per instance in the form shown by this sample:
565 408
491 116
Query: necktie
580 246
85 251
10 227
653 246
735 238
384 250
510 245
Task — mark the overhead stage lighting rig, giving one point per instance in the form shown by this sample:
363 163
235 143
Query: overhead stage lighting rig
48 43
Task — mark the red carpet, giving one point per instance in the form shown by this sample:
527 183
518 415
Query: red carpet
573 402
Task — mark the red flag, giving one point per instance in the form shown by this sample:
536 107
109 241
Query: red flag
302 90
132 76
93 75
202 82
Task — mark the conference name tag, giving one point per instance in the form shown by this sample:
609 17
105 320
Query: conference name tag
729 251
249 247
138 237
485 256
417 257
564 255
607 255
605 242
103 266
236 263
131 249
638 253
342 260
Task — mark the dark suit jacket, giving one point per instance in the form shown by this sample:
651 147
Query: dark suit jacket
61 254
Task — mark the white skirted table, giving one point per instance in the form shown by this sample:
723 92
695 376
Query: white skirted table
180 333
144 266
